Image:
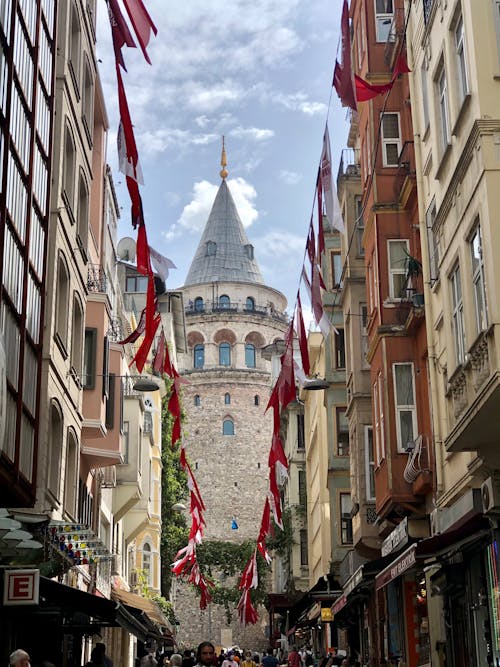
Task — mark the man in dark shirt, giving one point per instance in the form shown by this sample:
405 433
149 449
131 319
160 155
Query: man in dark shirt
269 660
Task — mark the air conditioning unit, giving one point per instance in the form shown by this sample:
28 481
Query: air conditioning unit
490 496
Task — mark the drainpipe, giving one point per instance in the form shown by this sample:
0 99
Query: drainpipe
431 352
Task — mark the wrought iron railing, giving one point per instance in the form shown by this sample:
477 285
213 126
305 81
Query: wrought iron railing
96 279
234 307
428 5
349 164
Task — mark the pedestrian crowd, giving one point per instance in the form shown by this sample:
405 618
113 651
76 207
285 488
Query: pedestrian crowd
206 656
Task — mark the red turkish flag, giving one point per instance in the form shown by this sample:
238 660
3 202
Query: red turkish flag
302 336
142 353
119 31
159 354
141 22
342 77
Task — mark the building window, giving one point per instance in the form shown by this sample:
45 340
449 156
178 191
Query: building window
302 488
476 253
55 449
110 402
75 47
62 302
77 337
442 92
87 101
360 225
197 400
432 242
249 251
211 248
137 284
126 441
369 464
398 252
404 400
224 354
457 314
199 356
339 349
378 414
71 474
148 422
228 427
250 355
383 19
391 139
363 320
146 562
224 302
336 269
463 84
199 305
345 518
301 442
82 215
89 358
250 303
342 432
304 561
425 96
256 400
227 399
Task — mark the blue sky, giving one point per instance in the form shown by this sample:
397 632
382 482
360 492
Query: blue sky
258 72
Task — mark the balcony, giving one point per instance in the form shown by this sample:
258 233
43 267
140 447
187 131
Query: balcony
405 179
96 279
473 394
234 307
349 164
395 36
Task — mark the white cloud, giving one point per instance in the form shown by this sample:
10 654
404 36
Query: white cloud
299 102
195 214
255 133
290 177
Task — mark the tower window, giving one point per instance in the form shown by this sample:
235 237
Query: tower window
197 400
227 399
250 355
256 400
211 248
224 302
199 356
249 250
198 304
228 427
224 354
250 303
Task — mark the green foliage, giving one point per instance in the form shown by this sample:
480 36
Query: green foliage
174 490
224 562
283 541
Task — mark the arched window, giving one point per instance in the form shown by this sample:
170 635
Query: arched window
227 399
82 214
69 171
199 356
228 427
198 304
250 355
71 474
55 449
74 47
87 100
197 400
62 301
250 303
224 301
256 400
77 336
146 562
224 354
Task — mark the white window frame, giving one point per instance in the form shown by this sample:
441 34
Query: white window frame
425 96
383 16
432 242
370 462
478 282
380 382
400 407
461 58
443 105
457 309
346 527
363 327
395 270
386 141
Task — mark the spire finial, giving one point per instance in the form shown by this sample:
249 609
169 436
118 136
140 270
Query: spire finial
223 161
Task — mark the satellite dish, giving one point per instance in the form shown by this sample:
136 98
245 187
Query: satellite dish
126 249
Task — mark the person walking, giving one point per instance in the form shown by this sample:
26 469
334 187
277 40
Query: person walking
293 658
205 654
269 660
248 660
230 661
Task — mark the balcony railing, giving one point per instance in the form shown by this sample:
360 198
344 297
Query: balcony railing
406 170
396 34
428 6
209 307
349 164
96 279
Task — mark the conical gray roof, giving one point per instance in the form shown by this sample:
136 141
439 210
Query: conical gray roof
224 252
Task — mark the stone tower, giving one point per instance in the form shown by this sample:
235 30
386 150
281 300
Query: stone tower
230 316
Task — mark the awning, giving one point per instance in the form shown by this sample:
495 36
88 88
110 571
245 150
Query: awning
147 612
101 610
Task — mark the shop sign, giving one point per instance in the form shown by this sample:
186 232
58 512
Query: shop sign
353 581
21 587
396 539
326 614
397 568
339 604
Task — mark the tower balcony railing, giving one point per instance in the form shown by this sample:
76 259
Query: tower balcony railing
215 307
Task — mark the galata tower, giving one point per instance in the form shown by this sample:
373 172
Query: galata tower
231 315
